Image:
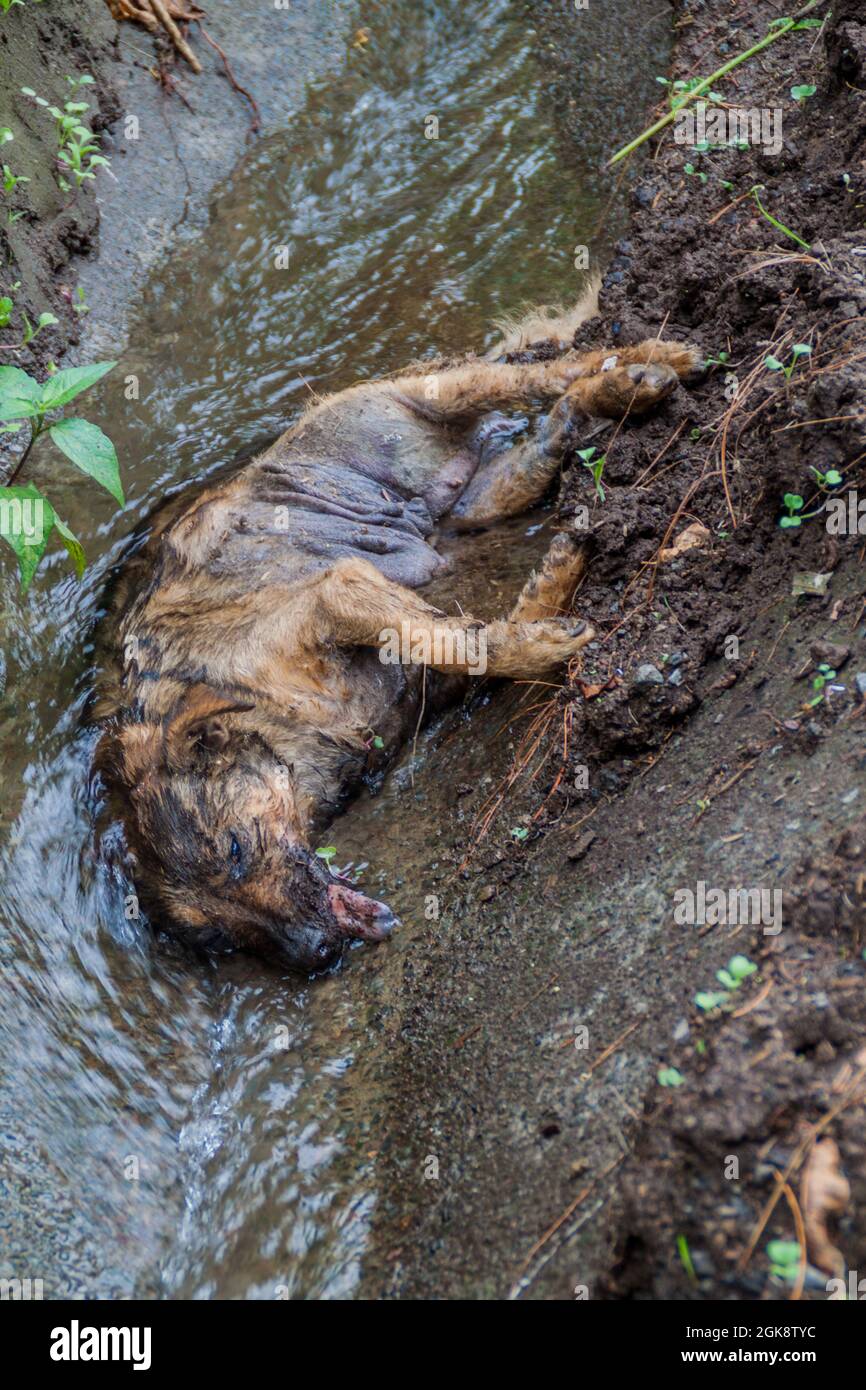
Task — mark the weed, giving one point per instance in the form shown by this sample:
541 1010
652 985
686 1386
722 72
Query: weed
595 466
784 1257
669 1076
822 677
803 93
77 146
22 398
739 968
797 351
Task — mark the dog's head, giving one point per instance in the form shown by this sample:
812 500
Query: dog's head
218 826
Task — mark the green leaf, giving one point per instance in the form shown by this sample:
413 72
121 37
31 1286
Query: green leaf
801 93
19 394
833 477
784 1252
74 548
801 349
740 967
709 1000
26 522
64 386
793 501
90 450
774 364
669 1076
788 521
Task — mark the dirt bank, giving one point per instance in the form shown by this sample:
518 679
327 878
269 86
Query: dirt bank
561 1160
40 45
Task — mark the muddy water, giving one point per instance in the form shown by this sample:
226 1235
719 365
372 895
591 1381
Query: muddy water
182 1129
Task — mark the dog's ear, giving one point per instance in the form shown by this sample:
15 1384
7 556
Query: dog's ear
196 722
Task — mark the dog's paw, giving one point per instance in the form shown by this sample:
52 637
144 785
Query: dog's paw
555 640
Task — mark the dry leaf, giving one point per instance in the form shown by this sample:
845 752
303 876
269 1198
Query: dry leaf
693 536
824 1193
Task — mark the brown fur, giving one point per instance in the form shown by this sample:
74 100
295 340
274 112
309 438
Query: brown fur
245 687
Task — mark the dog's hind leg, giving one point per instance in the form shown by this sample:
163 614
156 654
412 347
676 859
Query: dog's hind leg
549 590
353 604
459 394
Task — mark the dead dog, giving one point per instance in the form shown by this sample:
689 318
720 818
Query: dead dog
246 632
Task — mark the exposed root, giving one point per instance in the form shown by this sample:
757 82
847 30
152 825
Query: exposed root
161 16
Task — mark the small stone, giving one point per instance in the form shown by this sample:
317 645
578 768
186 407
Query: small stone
648 675
833 653
681 1030
487 892
676 677
860 682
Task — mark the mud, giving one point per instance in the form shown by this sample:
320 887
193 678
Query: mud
579 1168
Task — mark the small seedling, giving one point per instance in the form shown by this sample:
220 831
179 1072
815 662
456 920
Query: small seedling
822 677
721 359
669 1076
696 173
595 466
784 1257
797 351
794 506
739 969
679 91
328 853
519 833
803 93
832 478
686 1258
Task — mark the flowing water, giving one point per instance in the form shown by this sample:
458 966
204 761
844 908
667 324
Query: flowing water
172 1128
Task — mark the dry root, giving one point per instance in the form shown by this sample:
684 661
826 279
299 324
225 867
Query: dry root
164 16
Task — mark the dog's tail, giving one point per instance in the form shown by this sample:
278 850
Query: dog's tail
545 323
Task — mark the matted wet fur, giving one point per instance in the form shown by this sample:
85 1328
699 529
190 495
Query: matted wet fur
245 683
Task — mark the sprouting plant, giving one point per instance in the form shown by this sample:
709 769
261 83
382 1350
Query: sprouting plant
11 181
696 434
822 677
669 1076
519 833
739 968
832 478
803 93
784 1257
22 398
680 91
797 351
780 226
696 173
6 307
686 1258
328 853
77 146
595 466
721 359
794 506
79 303
81 156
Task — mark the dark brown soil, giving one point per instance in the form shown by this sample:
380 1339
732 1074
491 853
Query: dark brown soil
726 769
40 45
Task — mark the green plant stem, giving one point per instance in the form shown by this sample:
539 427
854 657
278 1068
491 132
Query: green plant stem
34 435
711 81
787 230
